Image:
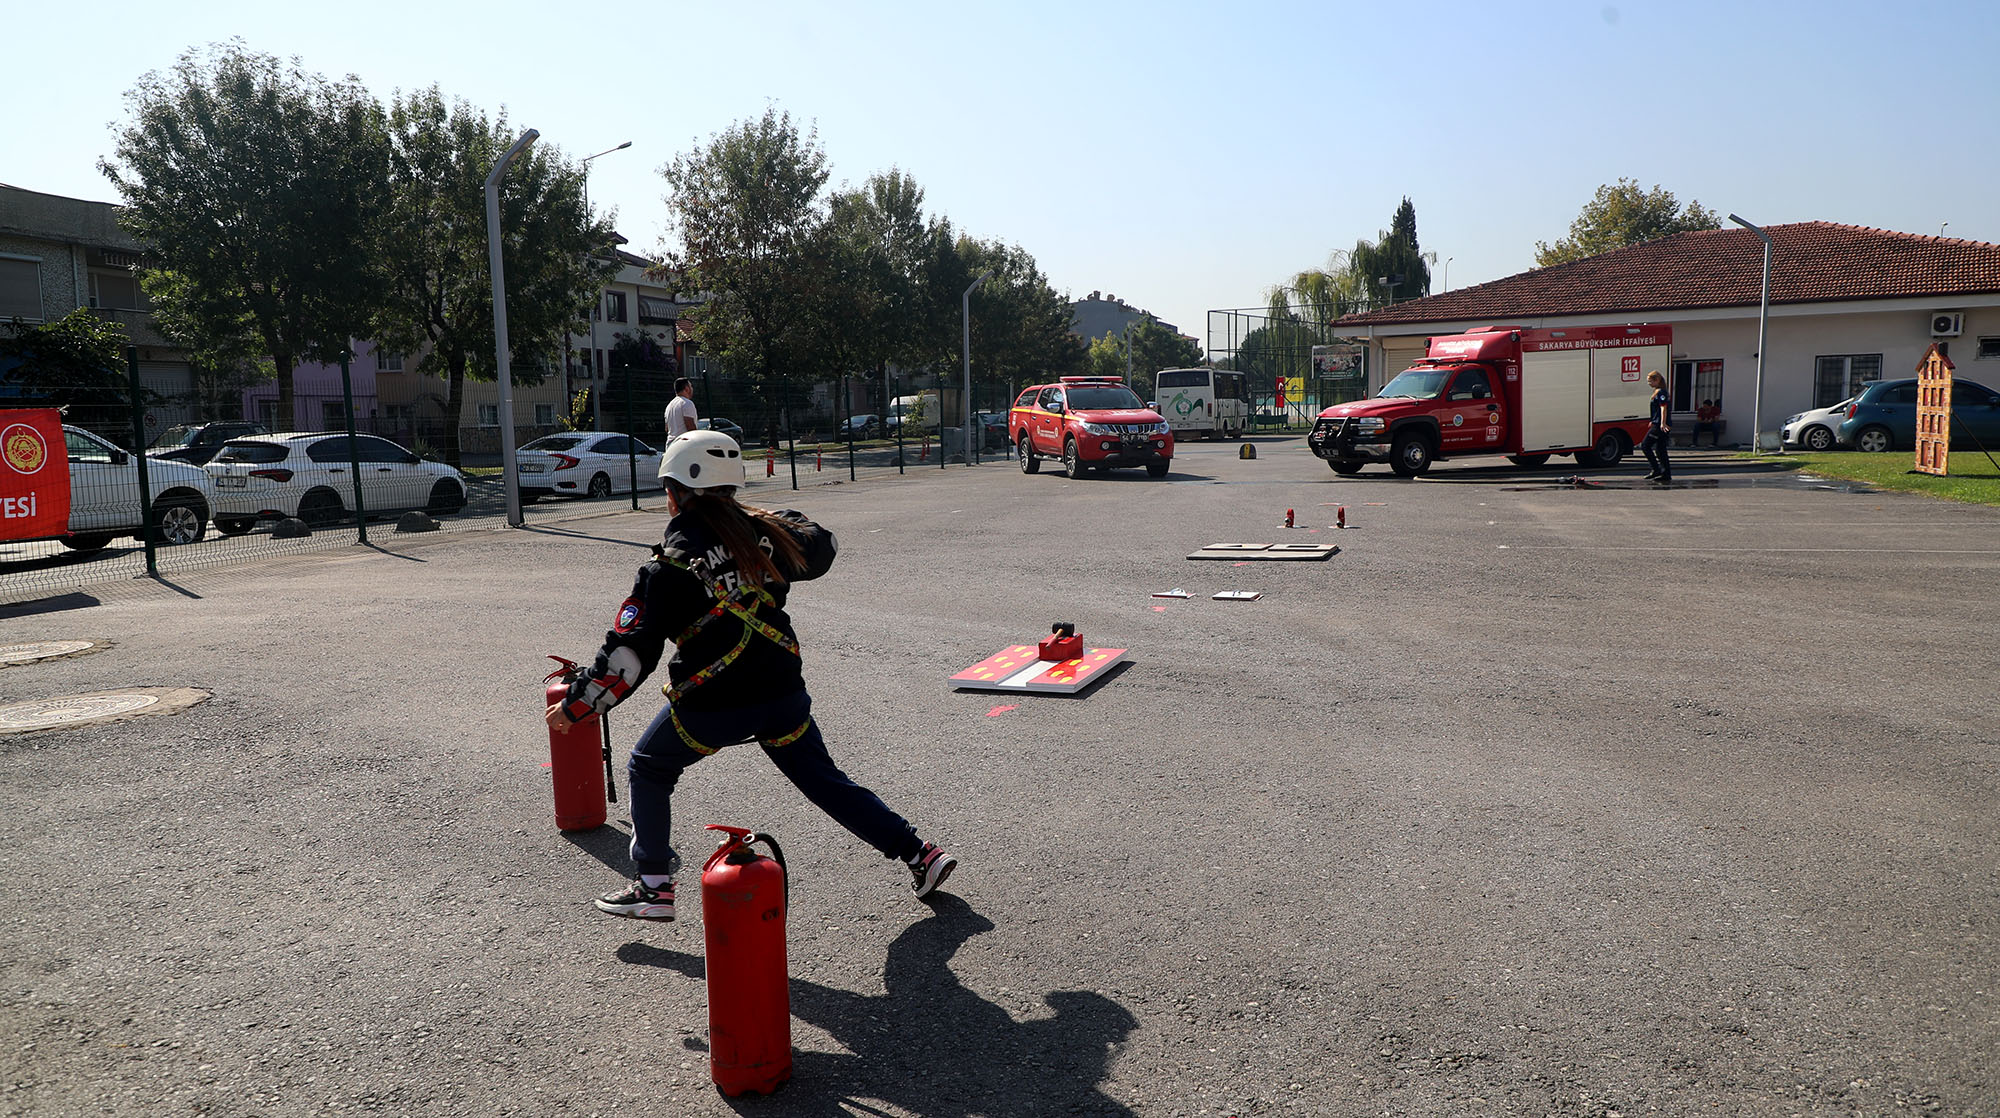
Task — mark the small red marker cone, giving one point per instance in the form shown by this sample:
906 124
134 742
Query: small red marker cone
1288 518
1340 516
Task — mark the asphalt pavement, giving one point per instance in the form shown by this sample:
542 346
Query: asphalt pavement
1533 799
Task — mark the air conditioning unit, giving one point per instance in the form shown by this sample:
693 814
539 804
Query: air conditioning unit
1947 324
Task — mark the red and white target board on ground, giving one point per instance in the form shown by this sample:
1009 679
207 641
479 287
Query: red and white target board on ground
1021 668
34 475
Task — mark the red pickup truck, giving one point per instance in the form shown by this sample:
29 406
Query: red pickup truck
1089 423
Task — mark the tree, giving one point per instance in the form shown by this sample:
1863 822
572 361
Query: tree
1020 325
1624 215
75 363
438 286
255 187
1394 256
748 209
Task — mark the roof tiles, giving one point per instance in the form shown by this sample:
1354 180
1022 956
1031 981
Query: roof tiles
1811 262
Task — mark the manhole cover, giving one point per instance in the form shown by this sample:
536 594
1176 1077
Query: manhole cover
101 706
31 651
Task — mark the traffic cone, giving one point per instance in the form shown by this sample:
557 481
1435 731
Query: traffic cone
770 465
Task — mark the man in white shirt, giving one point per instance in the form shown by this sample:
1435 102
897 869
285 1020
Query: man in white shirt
680 413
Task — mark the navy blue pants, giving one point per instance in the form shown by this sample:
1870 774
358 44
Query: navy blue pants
663 752
1655 447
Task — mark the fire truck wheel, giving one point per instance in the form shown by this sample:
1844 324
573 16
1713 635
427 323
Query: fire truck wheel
1529 461
1073 466
1411 455
1344 468
1029 463
1609 449
1156 469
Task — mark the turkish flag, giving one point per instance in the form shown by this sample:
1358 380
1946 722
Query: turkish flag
34 475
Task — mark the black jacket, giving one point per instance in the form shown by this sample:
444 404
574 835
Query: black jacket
677 590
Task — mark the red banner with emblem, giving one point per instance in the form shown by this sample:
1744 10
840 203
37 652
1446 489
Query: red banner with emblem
34 475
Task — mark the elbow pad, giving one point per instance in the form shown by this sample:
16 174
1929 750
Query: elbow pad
595 694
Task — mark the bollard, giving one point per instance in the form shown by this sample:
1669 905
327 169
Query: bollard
1288 519
1340 516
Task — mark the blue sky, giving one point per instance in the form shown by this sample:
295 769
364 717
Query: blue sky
1183 156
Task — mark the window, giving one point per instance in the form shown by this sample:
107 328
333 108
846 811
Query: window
1838 377
114 291
489 415
614 306
83 448
332 415
388 362
267 411
1695 381
545 415
20 288
330 452
400 415
1471 384
1989 349
379 450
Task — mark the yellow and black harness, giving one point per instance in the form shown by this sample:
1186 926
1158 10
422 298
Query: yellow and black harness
741 603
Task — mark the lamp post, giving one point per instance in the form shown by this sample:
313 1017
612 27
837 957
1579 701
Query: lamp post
596 397
501 363
965 315
1763 320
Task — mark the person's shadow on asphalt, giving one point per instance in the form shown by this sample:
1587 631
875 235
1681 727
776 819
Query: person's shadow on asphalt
934 1048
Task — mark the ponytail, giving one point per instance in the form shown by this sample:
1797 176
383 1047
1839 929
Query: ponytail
737 526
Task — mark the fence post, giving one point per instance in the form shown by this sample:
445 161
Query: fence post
353 447
631 448
146 528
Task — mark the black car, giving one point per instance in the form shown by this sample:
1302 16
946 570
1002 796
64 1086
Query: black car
196 443
993 430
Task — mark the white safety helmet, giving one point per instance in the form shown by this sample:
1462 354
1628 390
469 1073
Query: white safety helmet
703 460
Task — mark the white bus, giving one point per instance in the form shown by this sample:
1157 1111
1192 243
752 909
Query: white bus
1209 403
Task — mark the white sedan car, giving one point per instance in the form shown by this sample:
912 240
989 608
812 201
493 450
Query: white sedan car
585 464
104 495
1817 429
310 475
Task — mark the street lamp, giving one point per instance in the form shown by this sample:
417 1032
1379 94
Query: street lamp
1447 272
965 314
596 397
500 356
1763 320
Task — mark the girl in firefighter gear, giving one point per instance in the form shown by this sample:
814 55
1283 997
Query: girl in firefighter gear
715 590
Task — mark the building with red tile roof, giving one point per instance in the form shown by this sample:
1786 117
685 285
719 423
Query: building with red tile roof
1848 304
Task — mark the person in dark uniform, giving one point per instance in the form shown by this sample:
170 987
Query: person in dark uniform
1657 431
715 589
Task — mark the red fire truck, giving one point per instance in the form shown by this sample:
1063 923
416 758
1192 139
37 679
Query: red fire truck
1527 394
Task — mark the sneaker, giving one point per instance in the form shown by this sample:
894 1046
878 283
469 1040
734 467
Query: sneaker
640 902
930 869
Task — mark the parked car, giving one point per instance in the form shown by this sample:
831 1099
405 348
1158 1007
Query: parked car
858 427
196 443
723 425
1815 429
992 430
585 464
1884 415
309 475
104 495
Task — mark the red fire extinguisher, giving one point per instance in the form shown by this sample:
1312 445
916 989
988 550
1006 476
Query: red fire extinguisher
581 786
743 898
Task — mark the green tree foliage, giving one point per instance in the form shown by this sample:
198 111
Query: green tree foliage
1020 325
1621 215
256 188
75 363
438 287
1393 254
749 215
